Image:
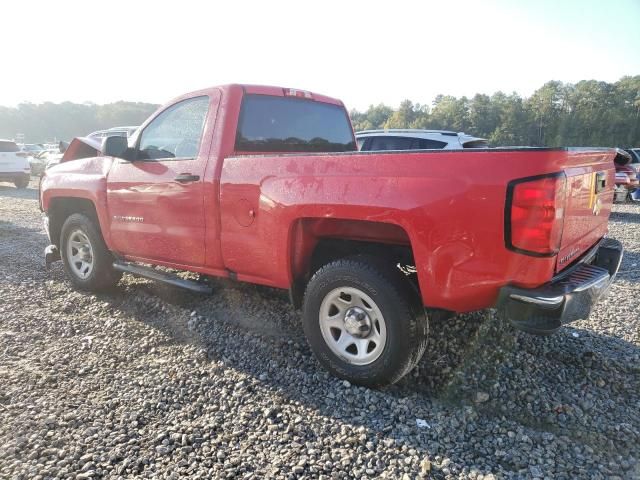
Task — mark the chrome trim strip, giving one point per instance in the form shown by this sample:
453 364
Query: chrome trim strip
547 301
594 282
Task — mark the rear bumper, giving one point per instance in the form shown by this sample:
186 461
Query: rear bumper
570 297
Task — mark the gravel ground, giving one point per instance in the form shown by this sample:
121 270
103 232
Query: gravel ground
153 382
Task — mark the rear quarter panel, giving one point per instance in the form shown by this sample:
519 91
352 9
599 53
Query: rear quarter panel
450 204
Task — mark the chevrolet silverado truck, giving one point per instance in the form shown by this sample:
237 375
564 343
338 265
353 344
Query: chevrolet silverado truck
265 185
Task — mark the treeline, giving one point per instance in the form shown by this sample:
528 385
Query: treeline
62 121
588 113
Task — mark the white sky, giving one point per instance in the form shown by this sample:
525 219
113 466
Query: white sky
363 52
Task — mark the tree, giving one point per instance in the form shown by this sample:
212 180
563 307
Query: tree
588 113
62 121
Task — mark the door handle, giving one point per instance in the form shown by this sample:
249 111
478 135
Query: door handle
187 177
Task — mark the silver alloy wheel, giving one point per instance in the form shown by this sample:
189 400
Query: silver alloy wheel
80 254
352 325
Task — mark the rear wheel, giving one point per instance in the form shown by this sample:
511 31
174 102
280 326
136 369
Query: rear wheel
22 182
86 259
363 323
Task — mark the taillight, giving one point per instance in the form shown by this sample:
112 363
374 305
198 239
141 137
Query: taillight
534 214
292 92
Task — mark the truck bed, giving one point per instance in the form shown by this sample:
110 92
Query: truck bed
449 205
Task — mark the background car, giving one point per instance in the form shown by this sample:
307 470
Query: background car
635 158
38 163
415 139
14 164
626 176
32 148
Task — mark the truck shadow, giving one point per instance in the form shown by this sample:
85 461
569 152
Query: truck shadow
476 370
625 217
630 268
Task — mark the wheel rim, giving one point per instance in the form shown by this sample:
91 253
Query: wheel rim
352 325
80 254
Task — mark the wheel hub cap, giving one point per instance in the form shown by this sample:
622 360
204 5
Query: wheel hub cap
352 325
80 254
357 322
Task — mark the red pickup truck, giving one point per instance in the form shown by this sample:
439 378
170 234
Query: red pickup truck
265 185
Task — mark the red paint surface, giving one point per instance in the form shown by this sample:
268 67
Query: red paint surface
260 216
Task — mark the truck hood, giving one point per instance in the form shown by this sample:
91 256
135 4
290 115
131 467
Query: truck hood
82 147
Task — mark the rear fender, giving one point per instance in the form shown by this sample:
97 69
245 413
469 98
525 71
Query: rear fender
315 241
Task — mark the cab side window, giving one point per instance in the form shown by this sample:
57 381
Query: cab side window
176 132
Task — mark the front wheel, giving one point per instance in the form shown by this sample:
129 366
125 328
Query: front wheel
86 259
363 323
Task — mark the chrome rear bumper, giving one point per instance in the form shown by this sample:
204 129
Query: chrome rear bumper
571 297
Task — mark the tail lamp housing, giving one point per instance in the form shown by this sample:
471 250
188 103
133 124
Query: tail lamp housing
534 214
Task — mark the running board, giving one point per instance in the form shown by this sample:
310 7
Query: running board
160 276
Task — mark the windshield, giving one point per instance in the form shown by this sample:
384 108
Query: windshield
282 124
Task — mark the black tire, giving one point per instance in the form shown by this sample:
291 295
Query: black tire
102 276
21 183
406 322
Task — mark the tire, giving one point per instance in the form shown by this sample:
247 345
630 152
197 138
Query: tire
373 359
78 231
22 182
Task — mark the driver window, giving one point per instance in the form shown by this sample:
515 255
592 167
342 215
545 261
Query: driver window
176 132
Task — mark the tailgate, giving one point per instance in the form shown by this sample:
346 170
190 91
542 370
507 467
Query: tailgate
590 185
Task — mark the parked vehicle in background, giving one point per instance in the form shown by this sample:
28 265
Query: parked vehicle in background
264 185
415 139
113 132
627 176
38 163
49 157
32 148
635 158
14 164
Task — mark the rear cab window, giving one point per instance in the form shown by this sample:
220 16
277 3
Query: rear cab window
8 147
291 124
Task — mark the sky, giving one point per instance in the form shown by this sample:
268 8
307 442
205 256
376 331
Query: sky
363 52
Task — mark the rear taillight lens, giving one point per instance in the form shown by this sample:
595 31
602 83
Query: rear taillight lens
535 215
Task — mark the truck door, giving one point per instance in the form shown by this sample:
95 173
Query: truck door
155 201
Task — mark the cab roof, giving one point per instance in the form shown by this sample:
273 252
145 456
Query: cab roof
240 89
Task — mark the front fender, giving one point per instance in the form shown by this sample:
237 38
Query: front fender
79 179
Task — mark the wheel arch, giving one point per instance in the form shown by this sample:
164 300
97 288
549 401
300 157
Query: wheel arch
314 242
61 208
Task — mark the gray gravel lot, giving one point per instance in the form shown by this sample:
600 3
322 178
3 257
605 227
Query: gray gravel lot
152 382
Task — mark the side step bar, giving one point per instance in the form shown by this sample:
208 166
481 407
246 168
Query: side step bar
160 276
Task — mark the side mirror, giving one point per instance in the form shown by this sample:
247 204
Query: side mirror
62 146
114 146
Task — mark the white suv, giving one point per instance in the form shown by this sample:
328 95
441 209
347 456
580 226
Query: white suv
14 164
415 139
